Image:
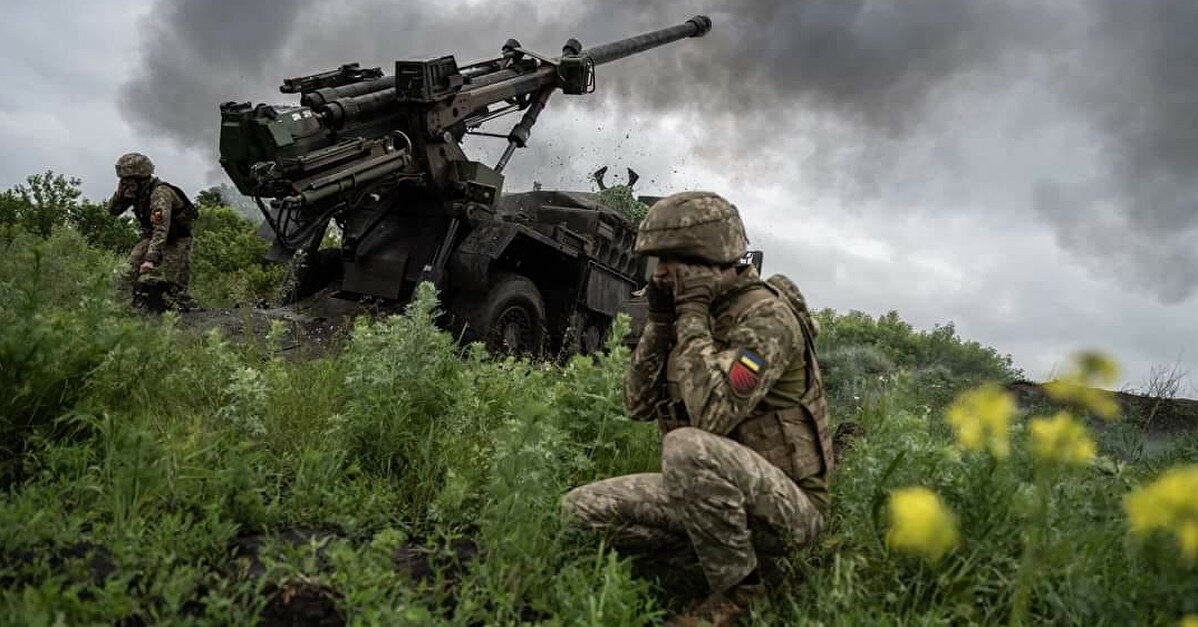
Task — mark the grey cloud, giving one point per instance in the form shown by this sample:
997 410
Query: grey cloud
1136 80
871 60
196 54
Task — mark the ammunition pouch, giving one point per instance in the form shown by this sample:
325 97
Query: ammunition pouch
787 438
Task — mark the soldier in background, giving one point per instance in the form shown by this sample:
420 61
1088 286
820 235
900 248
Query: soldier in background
160 264
727 367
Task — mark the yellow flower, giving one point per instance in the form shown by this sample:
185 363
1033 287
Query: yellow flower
1190 621
1061 440
1168 504
1079 385
921 524
1096 368
981 418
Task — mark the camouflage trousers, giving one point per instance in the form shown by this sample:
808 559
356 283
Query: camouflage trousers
172 274
723 498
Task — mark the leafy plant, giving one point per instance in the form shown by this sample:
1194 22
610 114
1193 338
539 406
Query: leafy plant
229 264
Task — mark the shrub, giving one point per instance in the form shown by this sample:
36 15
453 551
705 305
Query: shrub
45 201
104 230
621 199
229 264
408 391
857 347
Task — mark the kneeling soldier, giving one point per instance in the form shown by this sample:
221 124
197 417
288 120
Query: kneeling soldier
727 366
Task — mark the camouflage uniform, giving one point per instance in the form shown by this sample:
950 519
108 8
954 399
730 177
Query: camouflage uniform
166 217
736 389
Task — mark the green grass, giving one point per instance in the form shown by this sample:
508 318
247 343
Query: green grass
138 455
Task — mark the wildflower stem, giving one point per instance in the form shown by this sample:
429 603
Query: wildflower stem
1032 546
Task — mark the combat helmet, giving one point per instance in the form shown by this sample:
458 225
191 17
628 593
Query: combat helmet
134 164
693 225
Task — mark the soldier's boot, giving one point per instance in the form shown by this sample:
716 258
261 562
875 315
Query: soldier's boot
721 609
179 299
150 294
141 297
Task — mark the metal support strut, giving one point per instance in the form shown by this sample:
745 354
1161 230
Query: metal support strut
519 135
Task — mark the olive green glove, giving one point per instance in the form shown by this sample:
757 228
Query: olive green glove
661 303
694 288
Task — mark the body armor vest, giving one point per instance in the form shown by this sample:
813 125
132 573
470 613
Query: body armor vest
183 215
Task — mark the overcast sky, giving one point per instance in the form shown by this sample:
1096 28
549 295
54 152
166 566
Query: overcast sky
1023 168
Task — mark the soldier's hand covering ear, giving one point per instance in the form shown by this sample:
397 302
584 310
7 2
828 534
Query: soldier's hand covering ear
694 287
661 303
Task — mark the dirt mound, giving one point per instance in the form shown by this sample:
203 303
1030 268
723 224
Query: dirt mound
1158 415
446 562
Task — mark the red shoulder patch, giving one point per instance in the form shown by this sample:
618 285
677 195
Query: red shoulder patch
744 375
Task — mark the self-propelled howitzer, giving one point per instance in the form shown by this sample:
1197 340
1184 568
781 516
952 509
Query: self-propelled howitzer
381 156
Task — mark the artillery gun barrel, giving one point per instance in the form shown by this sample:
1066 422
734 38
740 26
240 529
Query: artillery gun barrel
508 83
695 27
357 101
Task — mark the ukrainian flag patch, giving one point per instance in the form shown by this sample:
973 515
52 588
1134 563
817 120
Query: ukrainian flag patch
745 373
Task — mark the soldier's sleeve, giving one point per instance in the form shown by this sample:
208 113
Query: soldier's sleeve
118 203
645 379
722 384
162 205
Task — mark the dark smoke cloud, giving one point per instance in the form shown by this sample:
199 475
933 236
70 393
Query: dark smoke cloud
872 61
197 54
875 61
885 68
1137 83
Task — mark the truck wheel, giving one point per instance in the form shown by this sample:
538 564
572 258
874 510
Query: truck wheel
589 331
592 338
509 319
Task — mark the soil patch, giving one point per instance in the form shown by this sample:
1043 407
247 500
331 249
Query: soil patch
247 549
312 328
299 603
86 562
445 563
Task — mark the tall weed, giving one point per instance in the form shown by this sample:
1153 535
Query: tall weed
57 323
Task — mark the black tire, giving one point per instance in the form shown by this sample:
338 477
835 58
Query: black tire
588 332
509 319
593 338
